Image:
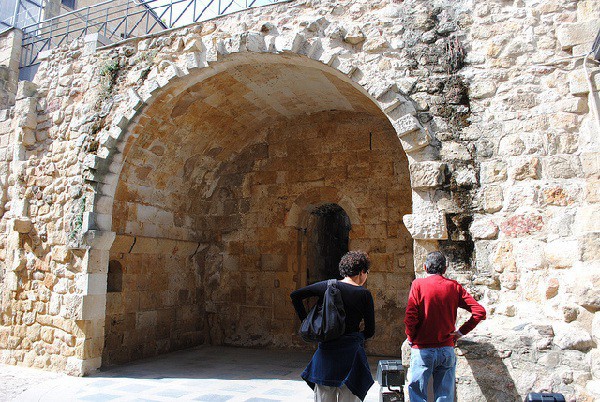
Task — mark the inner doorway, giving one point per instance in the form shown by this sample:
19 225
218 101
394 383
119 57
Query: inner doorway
328 232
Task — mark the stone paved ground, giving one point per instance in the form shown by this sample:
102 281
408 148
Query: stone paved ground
215 374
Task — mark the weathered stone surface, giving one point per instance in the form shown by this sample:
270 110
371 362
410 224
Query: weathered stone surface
511 145
561 167
483 228
571 336
522 224
493 171
590 164
354 36
590 247
22 225
526 169
455 151
465 177
596 328
427 174
300 113
492 199
375 44
558 196
570 313
562 253
406 124
482 90
529 254
571 34
552 288
585 220
578 81
26 89
592 191
426 225
504 259
583 286
60 254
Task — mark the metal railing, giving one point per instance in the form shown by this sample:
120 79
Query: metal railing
19 13
116 20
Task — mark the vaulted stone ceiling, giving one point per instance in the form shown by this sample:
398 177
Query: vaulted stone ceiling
200 125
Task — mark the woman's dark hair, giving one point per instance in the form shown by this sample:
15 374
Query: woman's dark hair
354 262
435 263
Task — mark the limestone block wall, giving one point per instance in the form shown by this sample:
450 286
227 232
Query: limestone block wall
535 134
312 161
154 305
491 106
251 221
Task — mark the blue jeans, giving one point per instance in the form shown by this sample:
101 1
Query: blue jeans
439 362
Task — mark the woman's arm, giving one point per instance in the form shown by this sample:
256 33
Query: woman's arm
369 318
297 296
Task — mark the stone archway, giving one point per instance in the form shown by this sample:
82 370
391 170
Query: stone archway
180 86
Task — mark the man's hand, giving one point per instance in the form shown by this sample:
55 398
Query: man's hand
457 335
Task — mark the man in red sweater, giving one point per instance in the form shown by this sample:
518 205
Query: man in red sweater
430 328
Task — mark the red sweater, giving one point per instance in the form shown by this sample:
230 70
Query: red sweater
431 312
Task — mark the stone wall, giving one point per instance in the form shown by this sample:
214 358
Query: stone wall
10 54
213 135
252 253
158 306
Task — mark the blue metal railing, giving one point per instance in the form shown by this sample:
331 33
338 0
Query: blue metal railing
121 19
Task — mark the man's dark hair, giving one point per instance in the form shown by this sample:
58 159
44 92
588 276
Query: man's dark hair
353 263
435 263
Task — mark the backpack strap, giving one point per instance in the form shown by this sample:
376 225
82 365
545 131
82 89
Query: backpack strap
331 282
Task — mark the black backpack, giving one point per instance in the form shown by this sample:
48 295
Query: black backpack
326 321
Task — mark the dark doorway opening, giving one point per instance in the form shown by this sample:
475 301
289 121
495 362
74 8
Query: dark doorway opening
328 235
115 277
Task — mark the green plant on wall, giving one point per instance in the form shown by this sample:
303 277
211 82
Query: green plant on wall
109 74
77 223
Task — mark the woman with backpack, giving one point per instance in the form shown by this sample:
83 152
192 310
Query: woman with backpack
339 370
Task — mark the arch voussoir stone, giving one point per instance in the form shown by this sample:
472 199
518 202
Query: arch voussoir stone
413 137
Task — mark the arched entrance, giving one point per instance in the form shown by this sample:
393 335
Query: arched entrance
328 233
224 174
